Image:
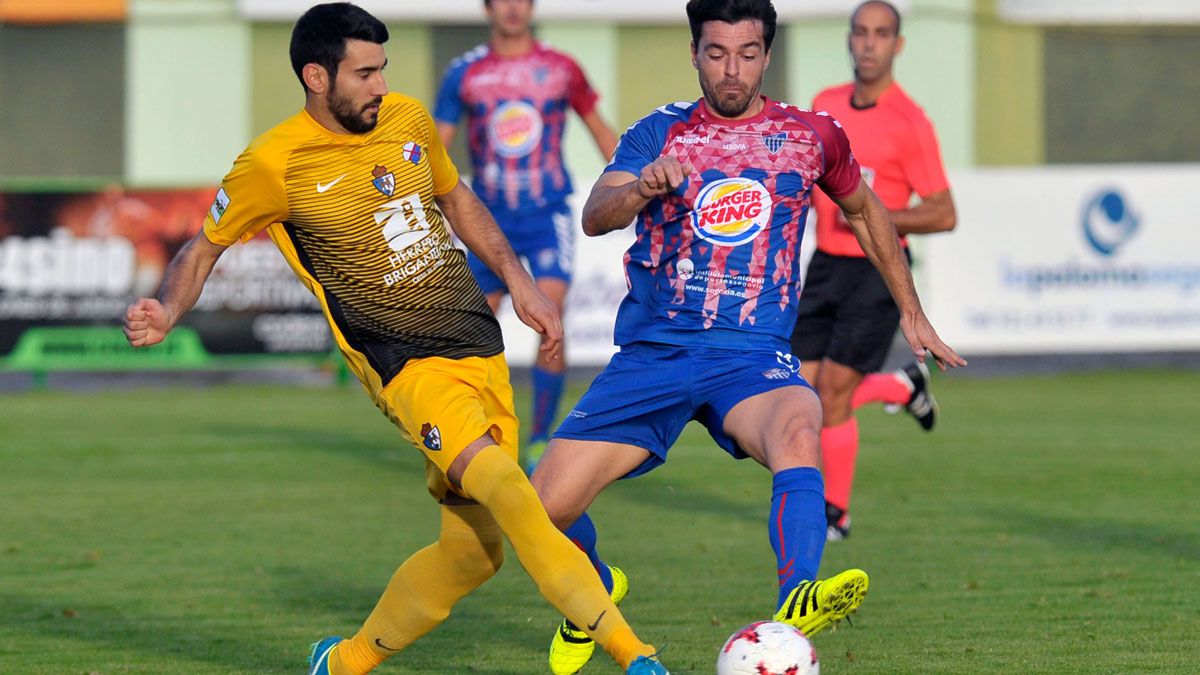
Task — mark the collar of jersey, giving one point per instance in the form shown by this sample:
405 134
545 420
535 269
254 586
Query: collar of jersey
341 138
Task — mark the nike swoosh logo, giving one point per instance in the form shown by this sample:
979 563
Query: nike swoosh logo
321 189
377 642
594 626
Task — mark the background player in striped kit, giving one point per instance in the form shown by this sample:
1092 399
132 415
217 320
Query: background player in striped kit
847 317
515 92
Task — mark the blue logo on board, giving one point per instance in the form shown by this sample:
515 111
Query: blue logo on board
1108 222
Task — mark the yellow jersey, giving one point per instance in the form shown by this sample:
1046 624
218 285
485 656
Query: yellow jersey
355 217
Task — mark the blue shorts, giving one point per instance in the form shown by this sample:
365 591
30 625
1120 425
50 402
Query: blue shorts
649 392
543 239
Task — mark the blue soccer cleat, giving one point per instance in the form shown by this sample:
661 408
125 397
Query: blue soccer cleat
318 660
647 665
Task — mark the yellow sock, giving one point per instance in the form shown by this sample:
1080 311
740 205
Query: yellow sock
422 591
561 571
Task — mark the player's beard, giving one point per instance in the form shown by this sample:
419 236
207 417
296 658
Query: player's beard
358 121
723 103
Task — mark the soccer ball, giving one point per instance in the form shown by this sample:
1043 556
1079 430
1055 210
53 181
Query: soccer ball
768 648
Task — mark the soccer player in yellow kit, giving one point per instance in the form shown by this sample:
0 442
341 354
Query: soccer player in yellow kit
353 190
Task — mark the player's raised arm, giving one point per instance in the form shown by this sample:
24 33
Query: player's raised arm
618 196
877 235
148 320
477 229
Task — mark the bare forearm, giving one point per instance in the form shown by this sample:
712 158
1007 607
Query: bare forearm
879 241
476 228
184 278
934 214
612 208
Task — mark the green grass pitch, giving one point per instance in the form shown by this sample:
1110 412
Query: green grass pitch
1048 525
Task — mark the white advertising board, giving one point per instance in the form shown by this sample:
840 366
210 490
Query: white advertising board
591 308
1117 12
618 11
1071 259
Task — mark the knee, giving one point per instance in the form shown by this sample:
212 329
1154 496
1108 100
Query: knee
477 563
562 511
799 444
492 558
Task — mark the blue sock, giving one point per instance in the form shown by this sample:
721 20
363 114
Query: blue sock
547 392
582 533
797 526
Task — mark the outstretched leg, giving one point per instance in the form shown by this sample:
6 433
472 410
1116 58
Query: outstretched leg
788 445
570 476
421 593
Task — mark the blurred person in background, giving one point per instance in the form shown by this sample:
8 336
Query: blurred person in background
515 92
352 191
847 317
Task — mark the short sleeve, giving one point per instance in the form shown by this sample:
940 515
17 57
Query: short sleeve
842 172
580 94
449 105
445 174
252 196
641 144
922 162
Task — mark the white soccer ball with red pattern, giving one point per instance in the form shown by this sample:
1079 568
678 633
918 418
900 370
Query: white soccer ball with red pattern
768 648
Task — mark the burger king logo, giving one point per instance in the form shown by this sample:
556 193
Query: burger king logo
515 129
731 211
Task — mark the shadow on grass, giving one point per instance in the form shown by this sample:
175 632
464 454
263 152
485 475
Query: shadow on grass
1096 534
172 641
166 637
481 620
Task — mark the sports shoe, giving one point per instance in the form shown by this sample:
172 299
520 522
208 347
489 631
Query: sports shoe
318 660
647 665
839 523
571 648
531 456
921 405
813 606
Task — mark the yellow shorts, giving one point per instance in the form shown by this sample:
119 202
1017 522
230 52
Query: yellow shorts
442 405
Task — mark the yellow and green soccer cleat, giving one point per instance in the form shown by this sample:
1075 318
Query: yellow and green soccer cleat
813 606
571 648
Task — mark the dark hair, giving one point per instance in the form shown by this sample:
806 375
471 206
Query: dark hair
320 35
731 11
895 12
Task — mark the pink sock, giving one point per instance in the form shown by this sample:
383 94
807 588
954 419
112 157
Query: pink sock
881 388
839 450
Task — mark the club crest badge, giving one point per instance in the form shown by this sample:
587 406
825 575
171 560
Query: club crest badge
432 436
384 181
774 142
413 152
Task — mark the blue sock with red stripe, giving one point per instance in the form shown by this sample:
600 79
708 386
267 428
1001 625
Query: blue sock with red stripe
797 526
582 533
547 392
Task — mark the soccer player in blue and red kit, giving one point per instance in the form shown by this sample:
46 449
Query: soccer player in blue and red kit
720 188
515 92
